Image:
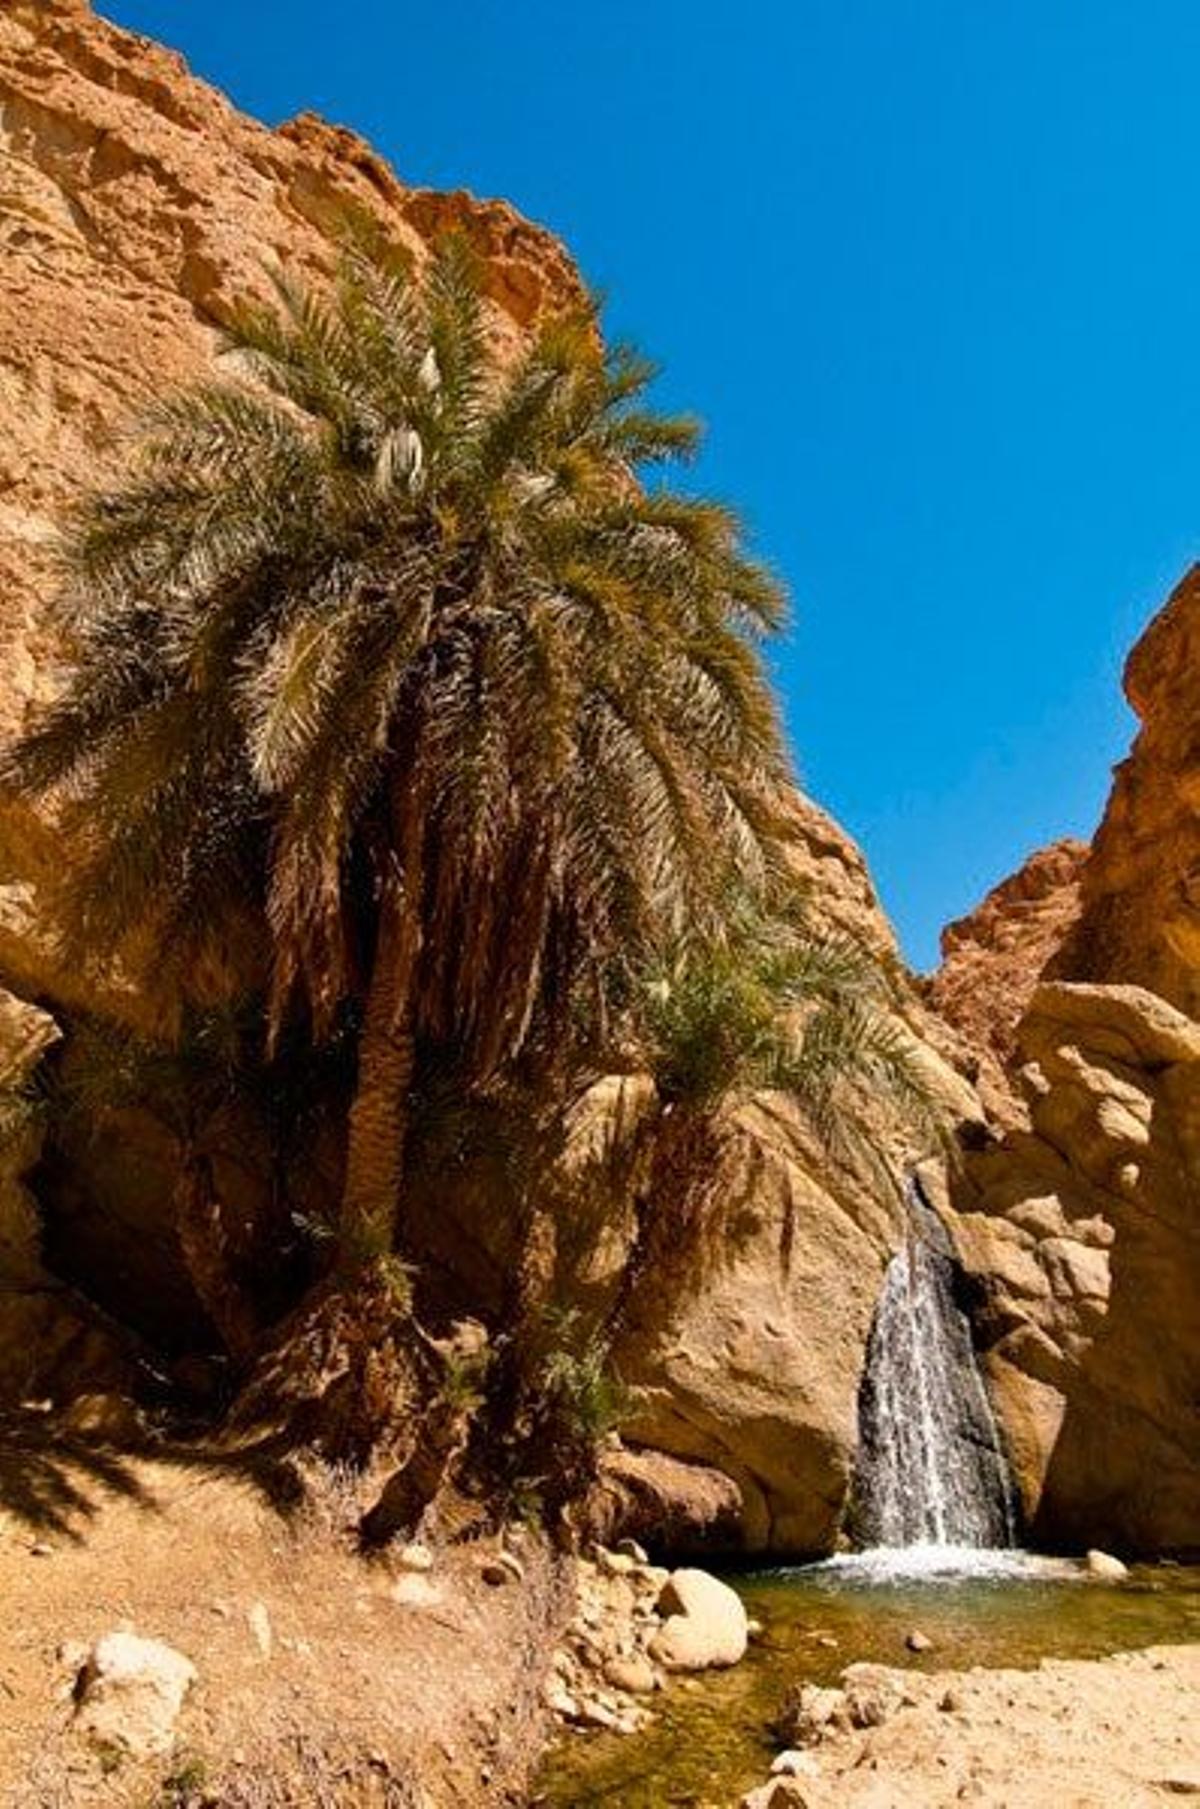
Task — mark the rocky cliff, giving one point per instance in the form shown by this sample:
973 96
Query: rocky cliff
1082 974
993 958
136 205
1084 1240
1139 917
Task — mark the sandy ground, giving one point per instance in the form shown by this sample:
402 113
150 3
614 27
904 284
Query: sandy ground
315 1686
1114 1733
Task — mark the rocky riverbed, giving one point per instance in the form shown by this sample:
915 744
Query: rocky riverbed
854 1642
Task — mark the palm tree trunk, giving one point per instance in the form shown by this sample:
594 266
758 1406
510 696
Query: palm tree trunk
386 1059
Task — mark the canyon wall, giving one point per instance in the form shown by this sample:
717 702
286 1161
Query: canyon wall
136 204
1081 1220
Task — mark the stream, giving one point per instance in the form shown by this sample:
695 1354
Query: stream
712 1740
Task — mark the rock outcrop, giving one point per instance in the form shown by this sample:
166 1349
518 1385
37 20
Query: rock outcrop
1139 920
1084 1239
136 205
993 958
50 1339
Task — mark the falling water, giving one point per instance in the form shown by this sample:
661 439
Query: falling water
931 1472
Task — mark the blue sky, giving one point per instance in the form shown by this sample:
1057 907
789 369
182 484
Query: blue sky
928 270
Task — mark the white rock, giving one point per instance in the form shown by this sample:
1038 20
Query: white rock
415 1591
815 1712
260 1627
793 1764
132 1692
560 1702
1103 1564
705 1625
634 1675
414 1556
591 1712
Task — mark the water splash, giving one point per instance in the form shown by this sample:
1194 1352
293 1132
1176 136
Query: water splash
931 1475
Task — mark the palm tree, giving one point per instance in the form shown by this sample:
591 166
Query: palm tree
384 652
773 1004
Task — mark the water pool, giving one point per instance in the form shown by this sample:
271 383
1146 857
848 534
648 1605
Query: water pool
712 1738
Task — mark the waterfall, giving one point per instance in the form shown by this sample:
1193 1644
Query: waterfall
931 1471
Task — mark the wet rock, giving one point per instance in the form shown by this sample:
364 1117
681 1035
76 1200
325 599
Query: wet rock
1103 1564
132 1692
811 1713
636 1675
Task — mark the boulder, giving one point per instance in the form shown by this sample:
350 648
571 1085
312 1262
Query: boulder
635 1675
705 1623
793 1764
1102 1564
131 1693
778 1793
993 958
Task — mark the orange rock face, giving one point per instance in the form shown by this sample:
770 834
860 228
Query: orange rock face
993 958
135 205
1139 916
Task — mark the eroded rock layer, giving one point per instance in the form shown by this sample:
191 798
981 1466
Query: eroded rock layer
136 204
1139 919
993 958
1084 1239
